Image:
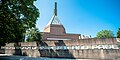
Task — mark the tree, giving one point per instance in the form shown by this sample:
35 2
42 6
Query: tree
105 34
16 16
118 33
33 34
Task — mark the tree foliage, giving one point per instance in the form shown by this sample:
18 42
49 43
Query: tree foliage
33 34
16 16
118 33
105 34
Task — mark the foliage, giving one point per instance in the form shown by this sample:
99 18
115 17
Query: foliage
16 16
33 34
105 34
118 33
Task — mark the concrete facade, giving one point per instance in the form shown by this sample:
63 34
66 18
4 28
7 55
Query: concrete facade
46 36
54 35
54 30
110 54
57 31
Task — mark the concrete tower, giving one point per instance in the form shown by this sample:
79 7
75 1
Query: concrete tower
54 30
54 26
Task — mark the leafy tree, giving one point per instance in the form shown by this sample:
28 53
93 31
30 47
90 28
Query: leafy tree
105 34
33 34
118 33
16 16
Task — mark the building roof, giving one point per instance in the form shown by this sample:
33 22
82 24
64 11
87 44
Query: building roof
54 20
54 26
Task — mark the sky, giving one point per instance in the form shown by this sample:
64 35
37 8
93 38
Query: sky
85 17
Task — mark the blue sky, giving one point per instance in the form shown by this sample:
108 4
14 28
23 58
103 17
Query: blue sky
86 17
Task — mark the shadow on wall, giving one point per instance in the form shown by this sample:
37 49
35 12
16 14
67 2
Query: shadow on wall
17 51
54 53
61 52
2 51
46 52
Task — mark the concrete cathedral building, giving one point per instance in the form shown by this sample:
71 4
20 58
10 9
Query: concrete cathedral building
56 43
54 30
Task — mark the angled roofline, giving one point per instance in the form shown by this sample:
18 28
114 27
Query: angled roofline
54 20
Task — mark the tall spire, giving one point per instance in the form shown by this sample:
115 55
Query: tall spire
55 9
54 26
55 20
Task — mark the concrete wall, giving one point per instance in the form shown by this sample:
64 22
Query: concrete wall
63 36
55 29
84 53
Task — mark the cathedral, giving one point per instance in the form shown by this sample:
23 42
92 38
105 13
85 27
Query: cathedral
54 30
56 43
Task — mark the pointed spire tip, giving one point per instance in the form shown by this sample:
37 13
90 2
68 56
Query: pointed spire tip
55 9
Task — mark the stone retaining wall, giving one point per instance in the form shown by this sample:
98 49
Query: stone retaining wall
69 53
